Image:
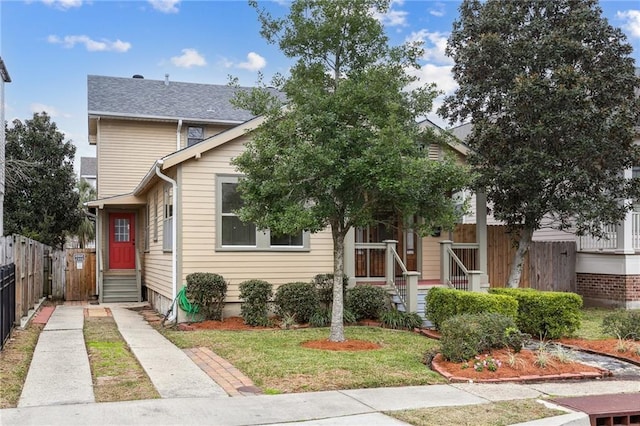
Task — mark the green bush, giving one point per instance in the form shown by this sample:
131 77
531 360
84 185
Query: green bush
322 317
622 324
467 335
366 301
444 303
324 287
297 299
399 320
545 314
208 291
255 296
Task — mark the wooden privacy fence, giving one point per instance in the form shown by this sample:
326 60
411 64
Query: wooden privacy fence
549 265
38 271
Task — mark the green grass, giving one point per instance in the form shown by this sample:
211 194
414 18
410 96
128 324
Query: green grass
591 324
492 414
15 359
276 362
117 375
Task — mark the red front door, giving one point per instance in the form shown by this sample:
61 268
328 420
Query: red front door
122 241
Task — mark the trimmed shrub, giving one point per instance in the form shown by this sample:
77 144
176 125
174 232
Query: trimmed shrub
467 335
366 301
322 317
255 296
622 324
444 303
545 314
399 320
207 290
298 300
324 287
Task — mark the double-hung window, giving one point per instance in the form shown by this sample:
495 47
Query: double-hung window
234 234
194 135
167 225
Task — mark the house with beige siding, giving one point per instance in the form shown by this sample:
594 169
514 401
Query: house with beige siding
167 196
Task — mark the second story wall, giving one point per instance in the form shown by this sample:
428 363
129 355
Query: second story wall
127 149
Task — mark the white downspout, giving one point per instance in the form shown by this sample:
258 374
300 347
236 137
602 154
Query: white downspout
178 134
174 237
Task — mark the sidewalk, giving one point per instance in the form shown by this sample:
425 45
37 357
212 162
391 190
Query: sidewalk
57 395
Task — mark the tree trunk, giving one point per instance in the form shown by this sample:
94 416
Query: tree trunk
337 310
518 258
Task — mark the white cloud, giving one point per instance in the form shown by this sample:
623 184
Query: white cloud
439 74
254 62
165 6
435 44
393 17
103 45
631 20
189 58
438 10
63 4
52 111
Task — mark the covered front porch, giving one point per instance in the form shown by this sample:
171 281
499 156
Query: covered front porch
120 228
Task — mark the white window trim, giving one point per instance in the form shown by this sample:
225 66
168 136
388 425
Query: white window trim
167 218
263 237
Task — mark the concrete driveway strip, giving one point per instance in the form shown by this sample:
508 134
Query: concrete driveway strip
258 410
59 372
171 371
410 397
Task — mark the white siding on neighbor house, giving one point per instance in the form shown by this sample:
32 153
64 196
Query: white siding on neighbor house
545 234
127 149
157 263
197 236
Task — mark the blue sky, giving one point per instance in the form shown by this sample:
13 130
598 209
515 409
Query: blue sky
50 46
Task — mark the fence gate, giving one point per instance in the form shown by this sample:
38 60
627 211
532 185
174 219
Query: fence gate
80 282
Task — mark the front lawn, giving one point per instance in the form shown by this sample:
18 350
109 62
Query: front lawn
276 362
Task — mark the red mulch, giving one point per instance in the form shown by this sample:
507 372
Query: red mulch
523 368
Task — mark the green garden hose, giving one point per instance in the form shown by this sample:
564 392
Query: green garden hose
185 304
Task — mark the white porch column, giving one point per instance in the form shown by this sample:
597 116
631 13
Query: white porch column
624 230
481 231
412 291
350 256
390 261
445 261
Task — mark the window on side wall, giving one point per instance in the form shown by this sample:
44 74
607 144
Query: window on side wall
167 225
147 229
194 135
233 234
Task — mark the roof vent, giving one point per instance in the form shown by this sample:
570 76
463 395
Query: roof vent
166 79
138 76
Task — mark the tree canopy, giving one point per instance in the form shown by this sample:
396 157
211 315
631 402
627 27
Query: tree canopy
347 146
548 86
42 204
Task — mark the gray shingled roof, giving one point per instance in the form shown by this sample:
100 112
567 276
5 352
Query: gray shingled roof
88 166
136 97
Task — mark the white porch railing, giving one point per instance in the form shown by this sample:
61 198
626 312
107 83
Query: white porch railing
609 241
405 285
454 271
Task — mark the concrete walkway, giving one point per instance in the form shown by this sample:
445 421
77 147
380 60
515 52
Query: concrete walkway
57 394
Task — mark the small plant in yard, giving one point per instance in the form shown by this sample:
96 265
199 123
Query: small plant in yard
366 301
543 359
487 362
514 361
288 321
636 349
297 299
208 291
622 324
399 320
563 355
255 295
622 346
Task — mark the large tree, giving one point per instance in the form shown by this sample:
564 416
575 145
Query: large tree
347 145
548 86
43 204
